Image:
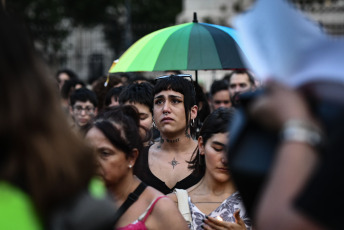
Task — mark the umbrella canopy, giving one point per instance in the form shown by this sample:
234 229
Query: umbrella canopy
189 46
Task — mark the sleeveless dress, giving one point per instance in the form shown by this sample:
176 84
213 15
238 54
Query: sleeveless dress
143 172
139 224
225 211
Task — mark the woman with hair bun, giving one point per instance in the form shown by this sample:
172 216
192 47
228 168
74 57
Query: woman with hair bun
116 139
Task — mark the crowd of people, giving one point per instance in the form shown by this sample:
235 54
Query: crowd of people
149 139
153 136
138 153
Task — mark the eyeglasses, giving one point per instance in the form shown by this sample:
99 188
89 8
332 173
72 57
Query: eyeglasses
187 76
88 109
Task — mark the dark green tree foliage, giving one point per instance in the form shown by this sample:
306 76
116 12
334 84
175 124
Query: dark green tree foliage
50 21
42 17
146 16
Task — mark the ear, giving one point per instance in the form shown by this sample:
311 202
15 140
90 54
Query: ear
96 111
200 145
132 159
193 112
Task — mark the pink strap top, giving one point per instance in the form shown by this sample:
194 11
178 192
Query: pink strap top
140 223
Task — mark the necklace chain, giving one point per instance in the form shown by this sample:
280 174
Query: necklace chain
208 202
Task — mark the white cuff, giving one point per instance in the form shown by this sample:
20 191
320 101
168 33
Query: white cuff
302 131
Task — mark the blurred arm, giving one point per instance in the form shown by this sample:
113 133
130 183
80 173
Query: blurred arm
294 163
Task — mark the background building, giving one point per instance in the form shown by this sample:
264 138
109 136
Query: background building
87 50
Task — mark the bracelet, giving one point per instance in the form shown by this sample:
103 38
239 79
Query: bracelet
302 131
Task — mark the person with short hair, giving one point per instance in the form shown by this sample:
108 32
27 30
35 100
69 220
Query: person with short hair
83 107
163 165
240 81
140 95
219 95
112 97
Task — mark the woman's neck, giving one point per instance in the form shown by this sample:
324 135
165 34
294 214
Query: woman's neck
212 187
176 143
121 190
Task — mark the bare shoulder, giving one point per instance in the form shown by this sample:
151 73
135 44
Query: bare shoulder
164 204
152 193
167 214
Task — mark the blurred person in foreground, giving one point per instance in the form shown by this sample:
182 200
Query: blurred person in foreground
44 167
304 103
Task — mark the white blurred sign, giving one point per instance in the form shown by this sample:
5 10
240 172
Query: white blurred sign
280 42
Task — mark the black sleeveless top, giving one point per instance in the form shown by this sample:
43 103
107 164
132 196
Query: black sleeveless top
143 172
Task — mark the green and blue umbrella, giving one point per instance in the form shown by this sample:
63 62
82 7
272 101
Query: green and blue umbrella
189 46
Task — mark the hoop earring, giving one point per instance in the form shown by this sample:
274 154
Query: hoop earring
154 125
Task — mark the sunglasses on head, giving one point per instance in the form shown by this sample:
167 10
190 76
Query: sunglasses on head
186 76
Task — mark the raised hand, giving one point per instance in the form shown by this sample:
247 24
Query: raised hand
211 223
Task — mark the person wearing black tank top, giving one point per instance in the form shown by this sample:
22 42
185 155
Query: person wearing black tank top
163 165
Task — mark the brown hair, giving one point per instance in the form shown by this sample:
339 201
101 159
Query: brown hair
39 153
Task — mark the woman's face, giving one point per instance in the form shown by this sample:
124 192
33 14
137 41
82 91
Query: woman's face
214 152
62 78
146 119
113 164
169 111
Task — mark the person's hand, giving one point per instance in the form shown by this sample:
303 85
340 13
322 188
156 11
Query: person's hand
279 105
211 223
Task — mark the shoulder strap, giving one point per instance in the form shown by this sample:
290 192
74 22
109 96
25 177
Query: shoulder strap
130 200
183 205
150 209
